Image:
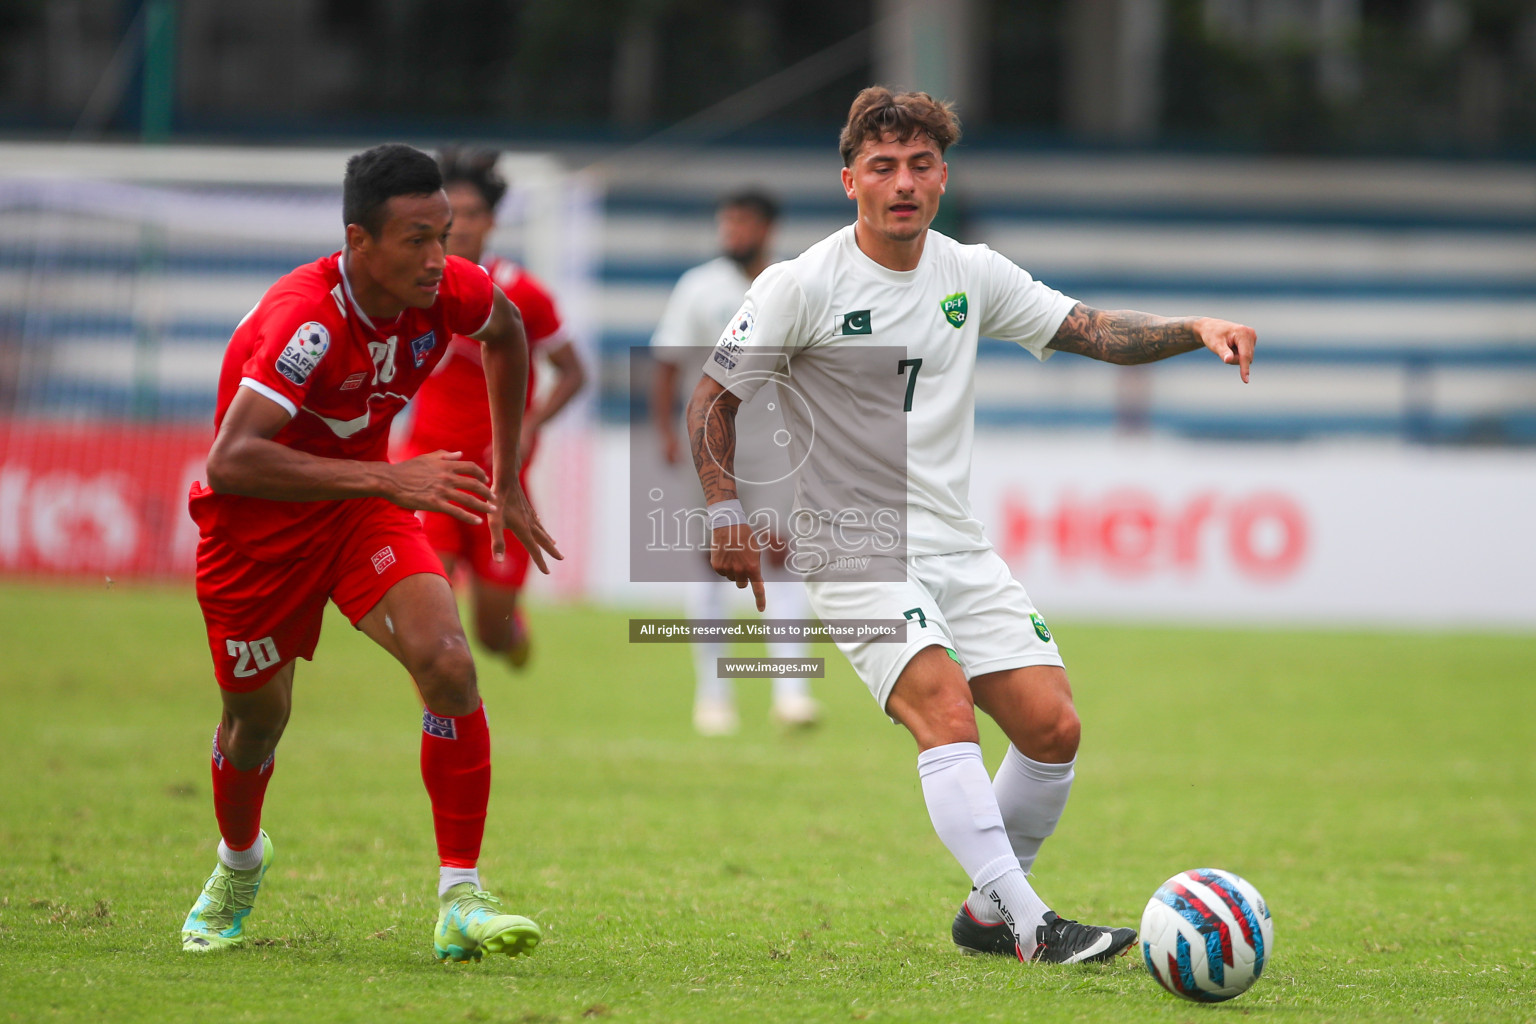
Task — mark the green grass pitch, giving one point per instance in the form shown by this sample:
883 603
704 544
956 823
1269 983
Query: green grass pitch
1379 789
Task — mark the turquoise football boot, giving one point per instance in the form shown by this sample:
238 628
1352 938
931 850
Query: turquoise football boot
470 924
217 919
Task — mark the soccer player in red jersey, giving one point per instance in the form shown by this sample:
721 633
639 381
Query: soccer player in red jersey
302 507
451 410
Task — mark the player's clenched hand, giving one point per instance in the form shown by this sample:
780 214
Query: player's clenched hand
441 482
1232 342
733 554
513 513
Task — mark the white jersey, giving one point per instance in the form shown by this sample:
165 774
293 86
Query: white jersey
832 297
700 305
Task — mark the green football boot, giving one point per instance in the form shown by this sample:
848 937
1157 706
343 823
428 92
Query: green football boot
217 919
471 924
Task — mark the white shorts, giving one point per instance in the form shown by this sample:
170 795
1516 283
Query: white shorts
967 601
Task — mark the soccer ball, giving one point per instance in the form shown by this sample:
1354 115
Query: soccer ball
1206 935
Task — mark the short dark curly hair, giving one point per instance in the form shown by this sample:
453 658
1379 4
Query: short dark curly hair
755 199
377 175
476 167
877 113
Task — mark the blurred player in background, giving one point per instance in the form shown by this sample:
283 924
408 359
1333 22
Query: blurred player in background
302 507
452 411
973 637
701 303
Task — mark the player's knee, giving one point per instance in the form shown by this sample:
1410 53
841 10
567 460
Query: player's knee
940 717
446 677
1059 739
250 740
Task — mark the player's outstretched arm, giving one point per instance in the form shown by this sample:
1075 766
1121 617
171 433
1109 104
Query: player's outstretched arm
1125 336
664 409
712 435
504 352
245 460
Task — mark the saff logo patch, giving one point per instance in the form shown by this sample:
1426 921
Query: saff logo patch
383 559
955 309
741 327
856 322
301 355
421 346
1041 629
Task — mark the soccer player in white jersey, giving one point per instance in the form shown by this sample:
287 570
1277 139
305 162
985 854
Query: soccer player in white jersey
976 640
702 300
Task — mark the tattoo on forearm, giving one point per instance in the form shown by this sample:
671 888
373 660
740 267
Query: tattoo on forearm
1124 336
712 435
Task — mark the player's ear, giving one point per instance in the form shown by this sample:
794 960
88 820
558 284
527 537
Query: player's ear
357 236
848 182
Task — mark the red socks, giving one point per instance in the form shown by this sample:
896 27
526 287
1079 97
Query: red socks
237 797
456 766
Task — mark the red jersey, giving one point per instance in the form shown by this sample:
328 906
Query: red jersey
453 410
309 348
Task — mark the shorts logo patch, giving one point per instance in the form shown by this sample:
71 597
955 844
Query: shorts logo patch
301 355
354 382
1041 629
421 346
385 557
434 725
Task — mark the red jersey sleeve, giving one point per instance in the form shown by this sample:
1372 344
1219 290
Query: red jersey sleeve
540 318
466 296
290 343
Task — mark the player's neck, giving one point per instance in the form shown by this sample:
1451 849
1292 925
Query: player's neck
890 253
376 303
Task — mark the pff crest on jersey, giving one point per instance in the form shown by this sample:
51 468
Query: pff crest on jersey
955 309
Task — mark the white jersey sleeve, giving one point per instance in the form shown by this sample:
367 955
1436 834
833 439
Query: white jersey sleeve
770 326
1021 309
682 322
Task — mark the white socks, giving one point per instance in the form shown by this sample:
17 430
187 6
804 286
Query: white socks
447 878
707 601
787 600
1031 796
965 814
242 860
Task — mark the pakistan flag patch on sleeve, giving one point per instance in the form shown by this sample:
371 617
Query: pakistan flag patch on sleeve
955 309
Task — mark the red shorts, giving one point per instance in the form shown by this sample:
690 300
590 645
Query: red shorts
470 546
262 615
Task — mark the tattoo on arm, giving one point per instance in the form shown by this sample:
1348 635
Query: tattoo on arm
1124 336
712 435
